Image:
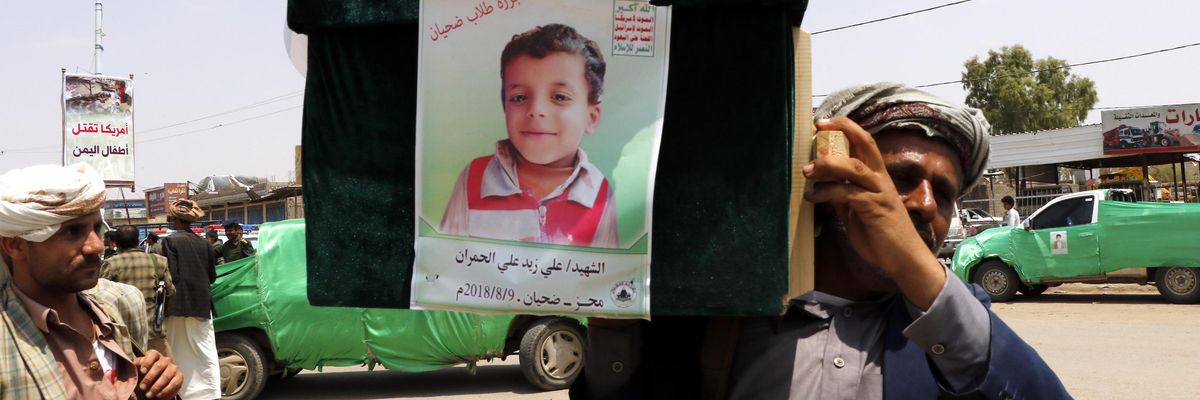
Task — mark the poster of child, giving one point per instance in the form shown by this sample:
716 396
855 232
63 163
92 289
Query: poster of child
537 133
1058 242
539 186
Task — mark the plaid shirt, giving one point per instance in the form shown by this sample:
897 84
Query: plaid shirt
140 269
30 371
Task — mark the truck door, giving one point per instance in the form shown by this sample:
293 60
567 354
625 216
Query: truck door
1061 241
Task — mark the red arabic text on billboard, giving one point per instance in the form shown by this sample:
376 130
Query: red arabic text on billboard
1163 129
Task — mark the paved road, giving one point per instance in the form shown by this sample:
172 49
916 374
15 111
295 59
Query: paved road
1105 342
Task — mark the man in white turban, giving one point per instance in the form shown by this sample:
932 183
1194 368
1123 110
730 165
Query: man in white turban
58 341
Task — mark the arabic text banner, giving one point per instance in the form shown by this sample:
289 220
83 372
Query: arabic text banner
538 123
98 125
1159 129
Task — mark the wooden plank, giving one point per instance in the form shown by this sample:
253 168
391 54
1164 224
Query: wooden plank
800 212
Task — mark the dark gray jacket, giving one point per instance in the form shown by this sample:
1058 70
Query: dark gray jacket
193 270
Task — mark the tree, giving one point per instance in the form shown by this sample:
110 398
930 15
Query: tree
1020 94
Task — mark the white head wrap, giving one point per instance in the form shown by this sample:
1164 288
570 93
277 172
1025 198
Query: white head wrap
885 105
35 201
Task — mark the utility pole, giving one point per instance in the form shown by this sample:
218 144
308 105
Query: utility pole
99 37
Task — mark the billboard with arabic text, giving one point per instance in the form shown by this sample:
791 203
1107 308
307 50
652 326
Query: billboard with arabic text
1162 129
98 125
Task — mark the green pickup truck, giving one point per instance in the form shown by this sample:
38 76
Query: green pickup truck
266 329
1097 236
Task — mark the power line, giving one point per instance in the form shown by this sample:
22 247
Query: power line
221 125
1055 68
988 78
245 107
891 17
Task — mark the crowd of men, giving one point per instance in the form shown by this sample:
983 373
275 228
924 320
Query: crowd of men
886 319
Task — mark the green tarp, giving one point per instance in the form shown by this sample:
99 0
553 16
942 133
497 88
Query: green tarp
721 191
1149 234
268 293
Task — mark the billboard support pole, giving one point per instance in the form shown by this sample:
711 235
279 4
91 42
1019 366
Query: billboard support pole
99 37
1174 182
1183 175
128 219
62 152
1147 193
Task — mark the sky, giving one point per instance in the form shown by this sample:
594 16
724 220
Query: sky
189 59
197 59
931 47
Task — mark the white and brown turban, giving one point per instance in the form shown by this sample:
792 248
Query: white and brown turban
885 105
35 201
186 210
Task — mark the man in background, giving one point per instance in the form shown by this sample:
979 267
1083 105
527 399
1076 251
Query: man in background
188 324
150 244
110 248
215 240
1011 216
142 270
237 247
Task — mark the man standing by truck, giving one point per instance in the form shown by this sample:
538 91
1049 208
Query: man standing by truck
188 324
142 270
1011 216
236 247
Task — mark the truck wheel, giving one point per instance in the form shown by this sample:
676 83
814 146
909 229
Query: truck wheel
1179 284
243 372
552 353
998 280
1164 142
1033 290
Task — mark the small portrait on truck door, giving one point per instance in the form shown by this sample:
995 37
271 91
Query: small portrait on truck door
1058 242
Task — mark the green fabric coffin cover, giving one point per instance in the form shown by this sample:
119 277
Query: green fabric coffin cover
268 293
721 194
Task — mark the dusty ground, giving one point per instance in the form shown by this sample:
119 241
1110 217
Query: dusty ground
1119 341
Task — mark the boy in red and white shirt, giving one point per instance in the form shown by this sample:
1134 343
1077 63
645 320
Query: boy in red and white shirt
539 186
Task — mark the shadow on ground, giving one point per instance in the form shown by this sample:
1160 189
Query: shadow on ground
1096 298
385 384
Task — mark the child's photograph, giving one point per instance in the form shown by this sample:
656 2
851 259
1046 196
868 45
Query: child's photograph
537 126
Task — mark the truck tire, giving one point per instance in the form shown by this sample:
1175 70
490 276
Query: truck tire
1179 285
998 280
243 367
552 353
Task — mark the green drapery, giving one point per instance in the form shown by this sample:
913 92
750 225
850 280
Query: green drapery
267 292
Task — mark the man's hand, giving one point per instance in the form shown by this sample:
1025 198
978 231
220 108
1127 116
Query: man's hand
878 224
160 378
